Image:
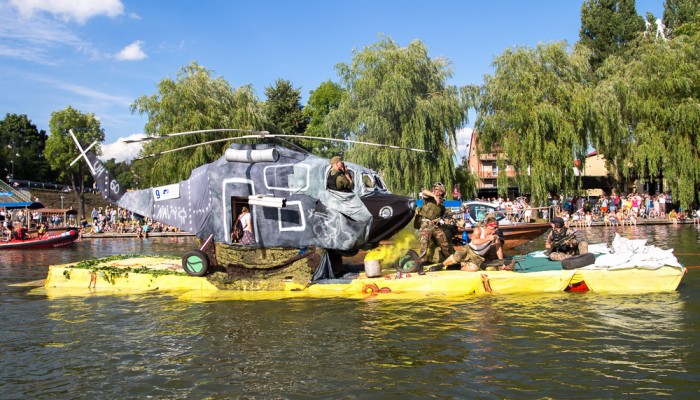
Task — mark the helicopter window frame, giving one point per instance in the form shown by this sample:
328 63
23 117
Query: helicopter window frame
379 182
372 184
306 177
352 177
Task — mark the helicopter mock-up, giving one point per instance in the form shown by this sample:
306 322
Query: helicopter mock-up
292 210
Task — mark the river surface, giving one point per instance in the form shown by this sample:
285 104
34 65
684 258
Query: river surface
581 345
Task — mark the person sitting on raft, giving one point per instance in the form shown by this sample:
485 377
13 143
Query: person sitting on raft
563 243
486 245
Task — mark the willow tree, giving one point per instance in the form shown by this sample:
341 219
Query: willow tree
533 112
399 96
194 101
649 114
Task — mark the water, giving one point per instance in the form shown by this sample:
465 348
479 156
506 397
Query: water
518 346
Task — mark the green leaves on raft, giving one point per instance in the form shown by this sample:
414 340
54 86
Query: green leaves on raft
110 272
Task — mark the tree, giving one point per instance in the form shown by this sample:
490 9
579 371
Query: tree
533 112
283 108
22 153
680 12
399 96
194 101
608 27
61 149
123 172
648 114
322 101
467 181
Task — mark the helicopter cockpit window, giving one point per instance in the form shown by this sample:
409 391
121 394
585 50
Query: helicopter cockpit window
352 177
367 181
380 182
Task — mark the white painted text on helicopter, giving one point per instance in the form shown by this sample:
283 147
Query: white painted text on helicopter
167 192
171 213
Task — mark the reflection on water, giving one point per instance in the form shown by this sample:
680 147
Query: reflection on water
517 346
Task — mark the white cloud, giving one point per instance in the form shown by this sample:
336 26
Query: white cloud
121 151
89 93
77 10
132 52
464 136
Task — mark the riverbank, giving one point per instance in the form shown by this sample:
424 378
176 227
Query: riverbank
114 235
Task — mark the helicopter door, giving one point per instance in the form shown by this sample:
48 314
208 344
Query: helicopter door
234 198
236 229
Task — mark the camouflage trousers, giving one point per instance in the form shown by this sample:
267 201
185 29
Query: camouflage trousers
467 255
431 237
581 248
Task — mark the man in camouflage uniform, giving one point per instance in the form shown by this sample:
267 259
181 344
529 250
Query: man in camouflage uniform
430 214
563 243
339 178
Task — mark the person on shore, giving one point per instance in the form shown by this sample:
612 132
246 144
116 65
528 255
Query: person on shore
563 243
339 178
428 219
673 216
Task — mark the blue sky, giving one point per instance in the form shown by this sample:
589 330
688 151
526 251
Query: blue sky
99 56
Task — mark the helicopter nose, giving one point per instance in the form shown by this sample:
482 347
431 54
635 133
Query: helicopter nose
390 213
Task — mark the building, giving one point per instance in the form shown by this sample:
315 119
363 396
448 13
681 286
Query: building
595 177
485 166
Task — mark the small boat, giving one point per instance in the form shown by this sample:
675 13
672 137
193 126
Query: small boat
514 233
48 241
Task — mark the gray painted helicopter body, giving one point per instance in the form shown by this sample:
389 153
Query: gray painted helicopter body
286 193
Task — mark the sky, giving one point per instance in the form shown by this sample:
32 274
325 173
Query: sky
98 56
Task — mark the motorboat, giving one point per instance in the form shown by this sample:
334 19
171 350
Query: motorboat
51 240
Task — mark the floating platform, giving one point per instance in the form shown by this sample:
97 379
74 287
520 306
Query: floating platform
531 275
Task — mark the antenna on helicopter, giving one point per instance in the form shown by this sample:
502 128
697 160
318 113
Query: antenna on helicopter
261 135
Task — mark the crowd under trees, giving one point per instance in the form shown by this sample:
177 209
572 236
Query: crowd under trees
622 89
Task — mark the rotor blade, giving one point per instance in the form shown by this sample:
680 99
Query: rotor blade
351 141
265 134
193 145
148 138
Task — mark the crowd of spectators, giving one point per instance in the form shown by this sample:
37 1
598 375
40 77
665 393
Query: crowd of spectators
121 220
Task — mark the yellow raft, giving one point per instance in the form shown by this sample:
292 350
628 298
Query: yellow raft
152 274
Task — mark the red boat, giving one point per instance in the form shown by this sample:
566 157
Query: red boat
48 241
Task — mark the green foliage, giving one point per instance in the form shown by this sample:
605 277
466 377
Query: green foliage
399 96
678 13
608 27
648 114
534 110
23 147
194 101
322 101
61 149
283 109
467 181
123 172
